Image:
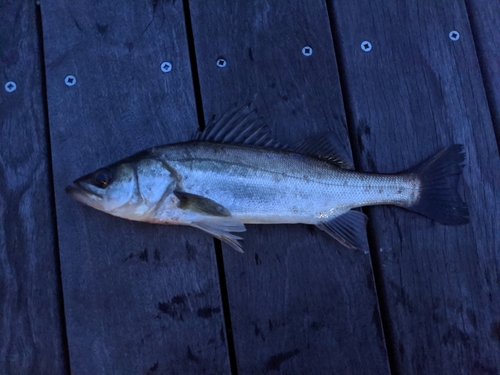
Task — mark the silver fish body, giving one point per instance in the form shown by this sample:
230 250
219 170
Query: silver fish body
272 186
219 182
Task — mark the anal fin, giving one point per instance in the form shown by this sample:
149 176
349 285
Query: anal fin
349 229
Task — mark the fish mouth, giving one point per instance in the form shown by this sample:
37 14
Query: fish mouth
83 194
80 188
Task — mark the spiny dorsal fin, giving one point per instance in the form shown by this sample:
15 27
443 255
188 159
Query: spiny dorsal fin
241 126
325 146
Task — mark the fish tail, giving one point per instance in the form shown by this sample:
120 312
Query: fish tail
438 195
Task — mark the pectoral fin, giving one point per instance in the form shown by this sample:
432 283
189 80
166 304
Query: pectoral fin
220 227
200 204
348 229
215 219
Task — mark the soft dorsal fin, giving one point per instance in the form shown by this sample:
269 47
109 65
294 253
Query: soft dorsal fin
325 146
239 125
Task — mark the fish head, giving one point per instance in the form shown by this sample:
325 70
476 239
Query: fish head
106 189
130 189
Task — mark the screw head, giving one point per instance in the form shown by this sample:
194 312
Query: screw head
454 35
221 63
366 46
166 67
307 51
10 86
70 80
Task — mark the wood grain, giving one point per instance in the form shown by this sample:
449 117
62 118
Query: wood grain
139 298
31 321
300 302
415 92
484 17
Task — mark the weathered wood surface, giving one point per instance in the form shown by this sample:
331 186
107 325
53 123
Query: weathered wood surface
484 17
300 302
145 299
31 323
139 298
415 92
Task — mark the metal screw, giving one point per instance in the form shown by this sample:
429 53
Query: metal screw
307 51
70 80
221 63
10 86
454 35
366 46
166 67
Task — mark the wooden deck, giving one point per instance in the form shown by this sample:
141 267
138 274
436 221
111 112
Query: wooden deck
82 292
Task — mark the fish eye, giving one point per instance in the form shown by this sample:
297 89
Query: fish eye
102 178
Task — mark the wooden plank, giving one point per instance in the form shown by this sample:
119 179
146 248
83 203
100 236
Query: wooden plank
31 316
415 92
136 295
484 17
300 302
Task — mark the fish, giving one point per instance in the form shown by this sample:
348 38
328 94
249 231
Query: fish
236 173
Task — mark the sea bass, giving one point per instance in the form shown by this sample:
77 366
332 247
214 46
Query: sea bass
235 173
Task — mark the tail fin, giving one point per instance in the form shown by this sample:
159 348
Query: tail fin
439 198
